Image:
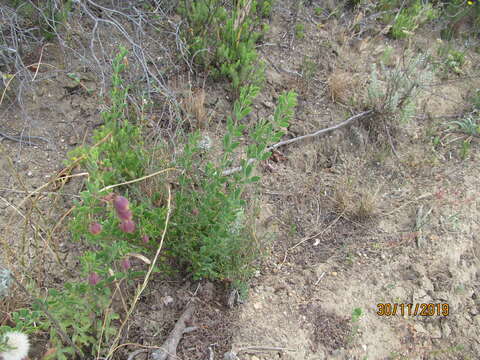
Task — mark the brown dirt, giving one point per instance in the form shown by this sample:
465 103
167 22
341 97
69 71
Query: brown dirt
350 224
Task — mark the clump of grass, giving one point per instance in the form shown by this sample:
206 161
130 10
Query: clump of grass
354 201
409 17
300 31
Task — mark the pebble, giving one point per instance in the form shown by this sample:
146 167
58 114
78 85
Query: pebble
230 356
268 104
168 300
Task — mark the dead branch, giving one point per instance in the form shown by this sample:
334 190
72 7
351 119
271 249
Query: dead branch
168 350
303 137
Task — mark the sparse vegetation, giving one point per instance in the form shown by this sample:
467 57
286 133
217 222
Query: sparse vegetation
159 206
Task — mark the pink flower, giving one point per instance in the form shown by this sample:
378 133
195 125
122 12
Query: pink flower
120 203
126 264
94 278
95 228
125 214
145 239
127 226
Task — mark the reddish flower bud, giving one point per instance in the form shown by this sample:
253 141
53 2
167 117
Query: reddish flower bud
126 264
120 203
95 228
195 212
125 214
145 239
94 278
127 226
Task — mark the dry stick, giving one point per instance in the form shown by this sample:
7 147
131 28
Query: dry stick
145 281
136 180
264 348
54 321
303 137
41 193
39 61
169 347
135 353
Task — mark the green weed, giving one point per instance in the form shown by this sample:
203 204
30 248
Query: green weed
223 39
299 31
410 16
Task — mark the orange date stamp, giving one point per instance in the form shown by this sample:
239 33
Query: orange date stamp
430 309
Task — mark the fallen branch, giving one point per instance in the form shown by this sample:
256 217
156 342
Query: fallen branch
303 137
168 351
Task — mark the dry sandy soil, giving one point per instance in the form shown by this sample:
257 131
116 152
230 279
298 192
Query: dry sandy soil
348 223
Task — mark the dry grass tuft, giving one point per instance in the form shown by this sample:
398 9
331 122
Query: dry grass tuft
344 87
194 105
355 200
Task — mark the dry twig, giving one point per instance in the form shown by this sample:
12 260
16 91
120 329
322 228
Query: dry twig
303 137
168 351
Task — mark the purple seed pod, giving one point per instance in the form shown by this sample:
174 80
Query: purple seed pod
120 203
145 239
127 226
94 278
126 264
125 214
95 228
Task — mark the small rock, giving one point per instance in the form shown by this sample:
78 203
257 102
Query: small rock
434 331
268 104
420 296
230 356
168 300
29 174
334 273
426 284
419 328
446 331
417 269
257 306
72 140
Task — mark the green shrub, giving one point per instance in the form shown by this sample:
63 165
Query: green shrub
411 17
207 232
223 39
392 92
